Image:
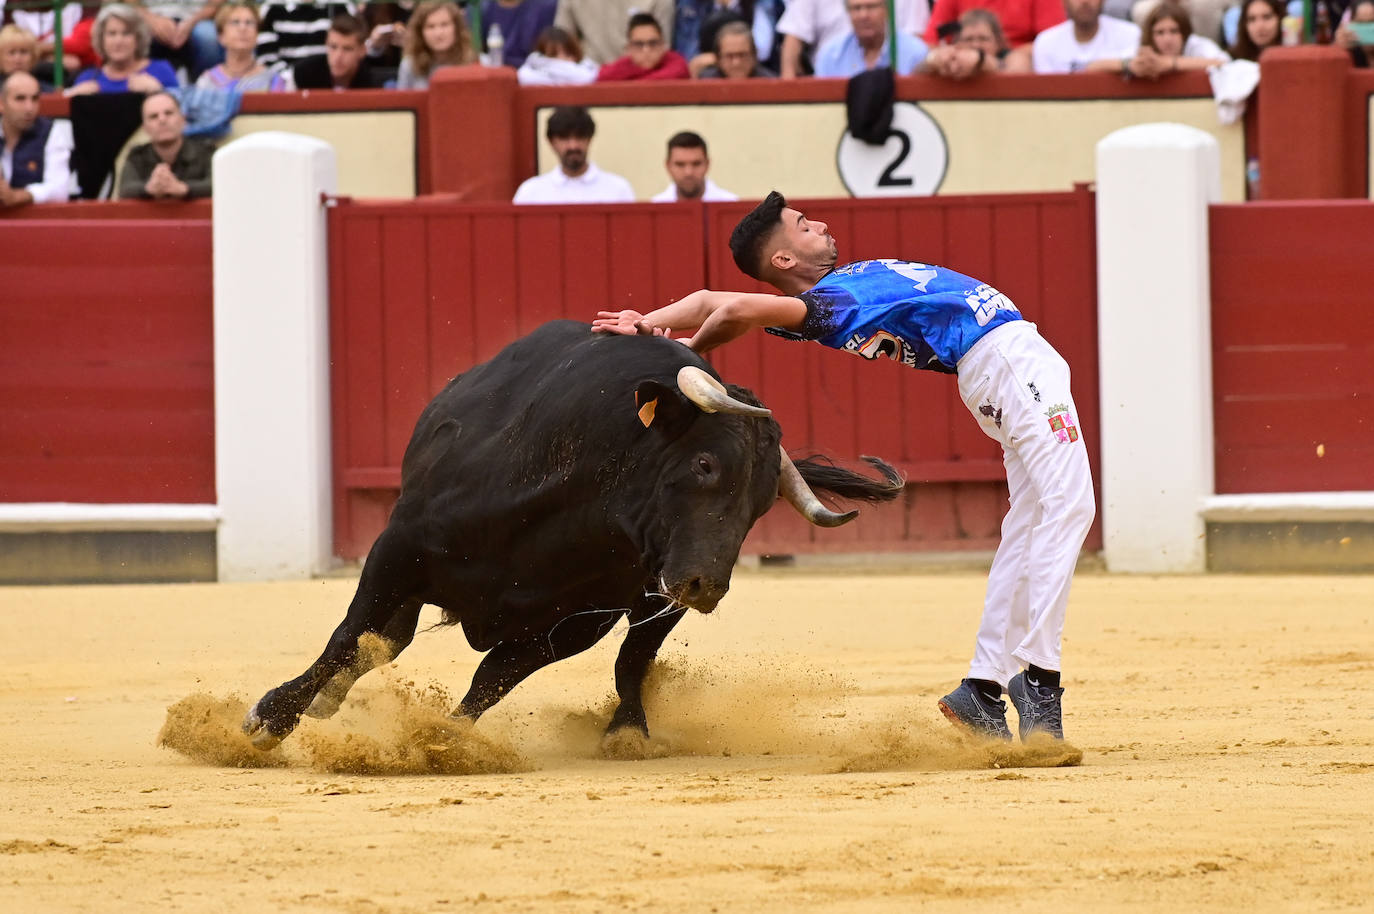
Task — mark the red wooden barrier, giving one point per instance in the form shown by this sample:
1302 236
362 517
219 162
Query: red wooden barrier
106 367
1292 346
419 293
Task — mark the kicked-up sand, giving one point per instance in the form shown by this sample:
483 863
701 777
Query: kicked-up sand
1220 758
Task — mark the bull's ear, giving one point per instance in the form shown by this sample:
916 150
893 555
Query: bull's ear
660 407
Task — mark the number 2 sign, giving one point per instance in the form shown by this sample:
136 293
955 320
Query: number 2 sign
912 162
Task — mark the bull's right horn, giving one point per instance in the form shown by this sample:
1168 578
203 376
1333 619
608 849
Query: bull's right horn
793 487
709 394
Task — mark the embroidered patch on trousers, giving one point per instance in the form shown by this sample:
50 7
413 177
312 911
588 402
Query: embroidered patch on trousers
1062 423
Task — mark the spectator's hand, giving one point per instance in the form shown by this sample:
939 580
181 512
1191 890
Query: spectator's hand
699 63
90 87
11 197
961 63
161 182
1345 37
1147 64
142 82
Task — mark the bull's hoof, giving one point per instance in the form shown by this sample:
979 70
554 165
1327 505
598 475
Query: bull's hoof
627 744
259 733
323 707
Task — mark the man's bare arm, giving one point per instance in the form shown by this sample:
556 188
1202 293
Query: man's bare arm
717 317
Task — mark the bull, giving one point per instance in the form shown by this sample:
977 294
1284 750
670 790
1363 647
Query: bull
572 480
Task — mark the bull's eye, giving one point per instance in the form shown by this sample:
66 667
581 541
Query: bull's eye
706 467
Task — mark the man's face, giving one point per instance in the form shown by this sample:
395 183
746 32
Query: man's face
15 57
19 102
162 119
687 167
736 58
1083 13
869 19
807 241
344 52
572 152
646 46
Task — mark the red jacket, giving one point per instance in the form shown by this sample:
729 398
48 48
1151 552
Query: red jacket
672 66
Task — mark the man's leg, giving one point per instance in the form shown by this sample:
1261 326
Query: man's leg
1006 611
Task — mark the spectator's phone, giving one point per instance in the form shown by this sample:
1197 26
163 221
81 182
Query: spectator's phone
1364 31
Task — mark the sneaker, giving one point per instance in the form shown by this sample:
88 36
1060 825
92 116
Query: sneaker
1039 707
967 708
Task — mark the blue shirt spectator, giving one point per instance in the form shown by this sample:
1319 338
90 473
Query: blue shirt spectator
160 70
845 57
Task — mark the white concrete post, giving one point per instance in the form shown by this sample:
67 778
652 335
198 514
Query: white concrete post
272 455
1154 183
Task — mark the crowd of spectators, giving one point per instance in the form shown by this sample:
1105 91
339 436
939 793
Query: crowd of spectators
172 50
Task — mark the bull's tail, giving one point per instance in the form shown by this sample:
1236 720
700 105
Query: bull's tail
822 475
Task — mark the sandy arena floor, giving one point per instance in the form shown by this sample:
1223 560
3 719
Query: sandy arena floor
799 763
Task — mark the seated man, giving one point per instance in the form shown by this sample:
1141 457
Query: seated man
647 55
172 166
36 155
343 65
735 55
687 165
600 24
576 179
865 47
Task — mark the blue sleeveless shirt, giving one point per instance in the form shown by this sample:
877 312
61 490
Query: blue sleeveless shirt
920 315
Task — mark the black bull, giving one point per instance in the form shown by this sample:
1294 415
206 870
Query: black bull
572 480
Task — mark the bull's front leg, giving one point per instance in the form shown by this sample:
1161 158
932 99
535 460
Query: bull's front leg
650 622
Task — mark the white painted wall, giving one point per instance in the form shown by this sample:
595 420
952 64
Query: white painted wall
1154 183
272 454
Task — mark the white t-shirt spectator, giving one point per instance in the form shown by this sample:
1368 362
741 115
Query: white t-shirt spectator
713 193
1056 50
592 186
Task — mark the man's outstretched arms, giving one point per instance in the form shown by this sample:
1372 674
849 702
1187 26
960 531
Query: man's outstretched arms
716 317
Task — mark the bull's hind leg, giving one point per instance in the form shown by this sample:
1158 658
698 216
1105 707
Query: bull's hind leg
394 637
650 624
388 586
511 662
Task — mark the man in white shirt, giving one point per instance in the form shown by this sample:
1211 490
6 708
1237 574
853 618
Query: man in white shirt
35 159
811 23
576 179
687 164
1086 40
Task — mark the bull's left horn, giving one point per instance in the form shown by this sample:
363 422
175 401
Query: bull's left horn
793 487
709 394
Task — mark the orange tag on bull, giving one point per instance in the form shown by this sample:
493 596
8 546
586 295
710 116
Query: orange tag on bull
646 412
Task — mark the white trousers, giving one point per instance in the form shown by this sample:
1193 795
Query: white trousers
1017 388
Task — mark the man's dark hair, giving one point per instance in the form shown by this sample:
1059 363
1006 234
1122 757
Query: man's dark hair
639 19
350 26
753 232
176 102
687 140
570 120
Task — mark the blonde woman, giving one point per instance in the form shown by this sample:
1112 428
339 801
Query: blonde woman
121 38
437 36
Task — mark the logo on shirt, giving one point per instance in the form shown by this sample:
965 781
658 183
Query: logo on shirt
1062 423
882 345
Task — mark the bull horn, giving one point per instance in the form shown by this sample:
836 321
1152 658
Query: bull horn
793 487
709 394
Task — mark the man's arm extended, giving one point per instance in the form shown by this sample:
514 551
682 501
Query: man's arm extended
717 317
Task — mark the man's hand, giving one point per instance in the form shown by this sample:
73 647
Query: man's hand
163 184
10 197
625 323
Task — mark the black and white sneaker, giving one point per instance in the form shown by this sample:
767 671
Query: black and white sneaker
1039 706
970 710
